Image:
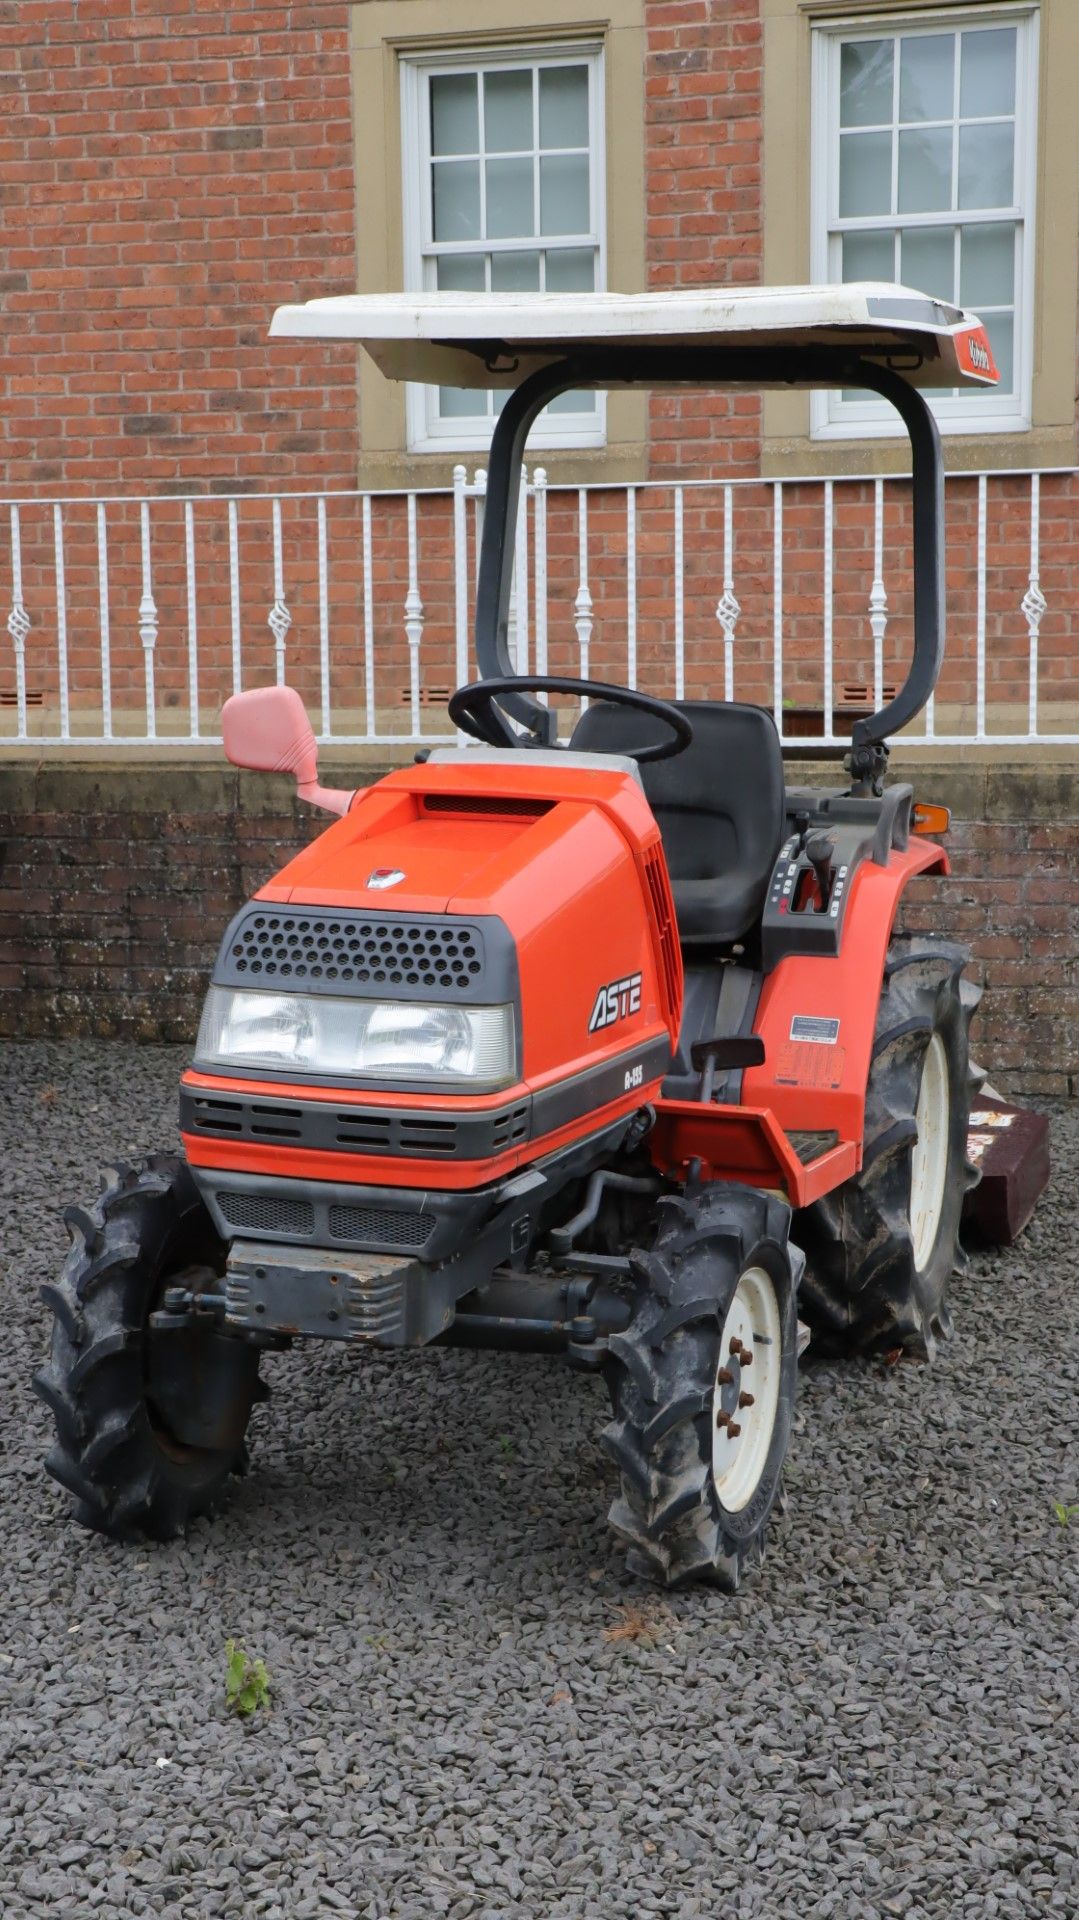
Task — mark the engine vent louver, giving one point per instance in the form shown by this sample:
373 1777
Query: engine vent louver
491 805
670 955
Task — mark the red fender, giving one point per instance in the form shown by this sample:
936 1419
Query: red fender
806 1084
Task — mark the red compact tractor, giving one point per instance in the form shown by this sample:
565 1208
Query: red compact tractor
606 1048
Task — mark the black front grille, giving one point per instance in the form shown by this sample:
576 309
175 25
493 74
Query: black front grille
377 1228
381 1226
266 1213
252 1119
281 945
405 1133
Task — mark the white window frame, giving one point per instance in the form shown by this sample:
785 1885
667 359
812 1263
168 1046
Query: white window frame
426 431
831 417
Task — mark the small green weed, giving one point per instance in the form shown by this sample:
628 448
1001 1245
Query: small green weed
506 1445
247 1683
1066 1513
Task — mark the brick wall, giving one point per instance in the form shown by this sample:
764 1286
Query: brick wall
703 204
169 170
116 885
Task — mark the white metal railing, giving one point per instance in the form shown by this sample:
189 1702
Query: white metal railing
130 620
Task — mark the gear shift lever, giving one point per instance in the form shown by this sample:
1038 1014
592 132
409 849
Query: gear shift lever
819 850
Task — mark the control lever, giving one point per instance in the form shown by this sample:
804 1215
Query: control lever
820 850
731 1052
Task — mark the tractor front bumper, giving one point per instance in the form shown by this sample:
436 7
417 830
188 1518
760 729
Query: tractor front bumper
336 1295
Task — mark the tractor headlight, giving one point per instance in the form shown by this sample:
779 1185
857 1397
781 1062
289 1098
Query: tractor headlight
386 1039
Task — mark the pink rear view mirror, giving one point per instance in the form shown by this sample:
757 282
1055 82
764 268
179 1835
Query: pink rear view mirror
268 731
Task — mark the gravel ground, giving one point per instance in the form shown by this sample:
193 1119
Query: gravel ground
882 1725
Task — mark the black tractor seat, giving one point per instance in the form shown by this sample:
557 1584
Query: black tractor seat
719 806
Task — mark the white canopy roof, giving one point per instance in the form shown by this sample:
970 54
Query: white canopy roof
495 340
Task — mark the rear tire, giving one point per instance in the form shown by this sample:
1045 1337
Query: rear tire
114 1453
702 1386
881 1249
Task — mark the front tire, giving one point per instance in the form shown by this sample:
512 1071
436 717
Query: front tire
882 1248
702 1385
108 1377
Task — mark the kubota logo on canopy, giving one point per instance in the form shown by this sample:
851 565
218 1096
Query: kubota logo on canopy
614 1001
979 357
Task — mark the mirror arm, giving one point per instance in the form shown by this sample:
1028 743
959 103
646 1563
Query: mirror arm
330 799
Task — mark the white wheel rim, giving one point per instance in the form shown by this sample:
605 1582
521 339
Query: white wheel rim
929 1160
742 1433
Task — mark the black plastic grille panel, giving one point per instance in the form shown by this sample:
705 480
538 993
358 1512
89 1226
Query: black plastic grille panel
399 1131
376 1227
381 1226
283 945
265 1213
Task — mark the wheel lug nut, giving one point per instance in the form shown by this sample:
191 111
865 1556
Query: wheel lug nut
724 1376
723 1420
736 1346
733 1430
745 1399
746 1357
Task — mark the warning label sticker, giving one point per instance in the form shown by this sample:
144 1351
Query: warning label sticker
803 1064
815 1028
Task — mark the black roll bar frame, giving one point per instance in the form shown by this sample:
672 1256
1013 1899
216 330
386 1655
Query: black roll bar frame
663 366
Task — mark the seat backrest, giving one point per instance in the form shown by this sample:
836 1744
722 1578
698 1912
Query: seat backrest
719 804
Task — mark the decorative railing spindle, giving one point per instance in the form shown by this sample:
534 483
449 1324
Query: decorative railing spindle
631 586
234 596
324 617
539 565
777 605
460 579
18 623
479 482
829 565
413 617
148 622
679 597
103 621
878 598
371 713
192 620
980 670
61 620
1034 605
519 618
279 619
582 616
728 609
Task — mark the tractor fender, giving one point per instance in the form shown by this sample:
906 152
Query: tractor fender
817 1013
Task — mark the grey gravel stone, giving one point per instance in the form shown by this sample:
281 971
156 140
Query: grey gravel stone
884 1724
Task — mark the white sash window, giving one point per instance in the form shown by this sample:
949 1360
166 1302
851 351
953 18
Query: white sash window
503 192
923 173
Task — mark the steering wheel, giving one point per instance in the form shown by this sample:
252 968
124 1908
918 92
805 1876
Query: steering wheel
472 708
